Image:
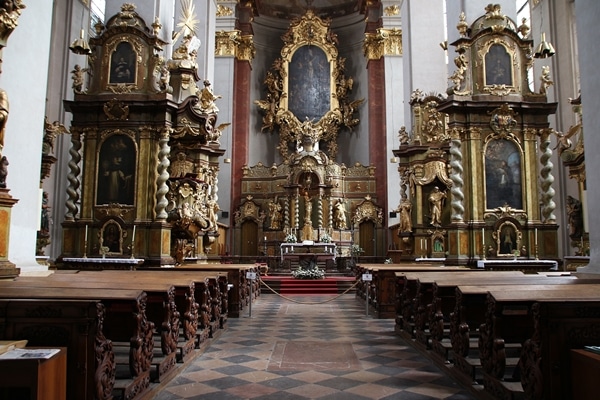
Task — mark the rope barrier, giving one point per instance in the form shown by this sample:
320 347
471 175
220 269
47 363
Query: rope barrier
309 302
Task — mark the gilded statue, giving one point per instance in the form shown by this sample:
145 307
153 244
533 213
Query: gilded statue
275 214
405 220
3 116
51 130
575 213
339 215
436 203
77 76
207 99
546 79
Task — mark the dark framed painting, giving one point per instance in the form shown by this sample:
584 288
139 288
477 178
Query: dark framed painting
116 171
503 183
123 64
309 83
498 66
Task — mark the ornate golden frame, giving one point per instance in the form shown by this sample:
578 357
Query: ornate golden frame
502 89
111 47
309 30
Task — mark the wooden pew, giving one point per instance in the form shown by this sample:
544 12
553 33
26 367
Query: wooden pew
167 294
382 289
549 321
239 294
86 323
161 309
443 302
210 295
469 313
416 291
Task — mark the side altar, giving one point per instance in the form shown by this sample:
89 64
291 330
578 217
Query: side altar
307 252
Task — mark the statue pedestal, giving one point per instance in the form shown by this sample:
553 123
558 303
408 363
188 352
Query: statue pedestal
7 269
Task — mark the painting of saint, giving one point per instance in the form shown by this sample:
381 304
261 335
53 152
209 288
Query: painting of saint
309 83
503 174
498 69
116 171
122 64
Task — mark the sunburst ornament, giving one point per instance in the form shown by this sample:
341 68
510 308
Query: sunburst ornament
187 22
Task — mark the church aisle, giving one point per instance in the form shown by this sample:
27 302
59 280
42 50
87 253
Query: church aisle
288 350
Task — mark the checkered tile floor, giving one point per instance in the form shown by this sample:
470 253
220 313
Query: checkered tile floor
329 351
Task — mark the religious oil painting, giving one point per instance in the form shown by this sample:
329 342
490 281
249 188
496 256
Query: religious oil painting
503 182
122 64
309 83
116 169
498 70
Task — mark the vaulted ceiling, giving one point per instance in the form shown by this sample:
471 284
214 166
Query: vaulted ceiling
290 9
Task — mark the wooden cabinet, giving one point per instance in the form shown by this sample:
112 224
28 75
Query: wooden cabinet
34 378
585 370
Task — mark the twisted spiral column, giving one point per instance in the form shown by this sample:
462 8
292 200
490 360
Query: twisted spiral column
297 209
320 212
286 214
458 196
330 223
547 192
73 176
163 175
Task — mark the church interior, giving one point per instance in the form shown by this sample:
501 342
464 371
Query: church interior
185 147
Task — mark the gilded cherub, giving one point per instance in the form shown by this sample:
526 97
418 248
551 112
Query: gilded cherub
546 79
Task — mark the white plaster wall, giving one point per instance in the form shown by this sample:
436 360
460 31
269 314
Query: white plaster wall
394 82
424 59
224 86
24 78
588 14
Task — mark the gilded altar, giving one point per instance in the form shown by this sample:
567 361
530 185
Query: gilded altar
308 103
145 149
476 180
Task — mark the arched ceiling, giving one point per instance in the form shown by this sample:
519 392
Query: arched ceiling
290 9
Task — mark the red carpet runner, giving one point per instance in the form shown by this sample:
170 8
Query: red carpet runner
288 286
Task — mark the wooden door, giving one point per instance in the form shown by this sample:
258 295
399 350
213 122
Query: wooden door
250 239
367 237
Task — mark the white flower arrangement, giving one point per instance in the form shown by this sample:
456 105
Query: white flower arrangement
291 238
308 273
356 249
325 238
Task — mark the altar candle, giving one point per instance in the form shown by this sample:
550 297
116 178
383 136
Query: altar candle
133 235
86 233
483 237
535 235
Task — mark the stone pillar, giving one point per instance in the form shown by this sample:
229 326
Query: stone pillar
378 154
587 15
241 97
25 77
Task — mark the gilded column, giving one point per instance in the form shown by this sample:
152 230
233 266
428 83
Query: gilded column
163 175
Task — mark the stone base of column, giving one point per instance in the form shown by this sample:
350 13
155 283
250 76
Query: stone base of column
7 269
